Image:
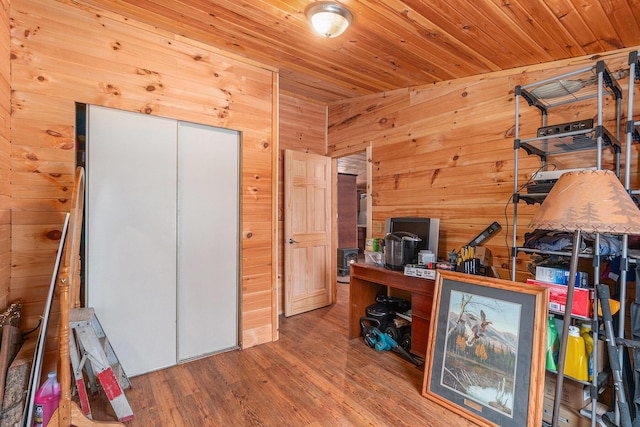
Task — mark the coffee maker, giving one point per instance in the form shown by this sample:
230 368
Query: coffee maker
400 248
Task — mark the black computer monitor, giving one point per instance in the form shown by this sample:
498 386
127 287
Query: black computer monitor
427 229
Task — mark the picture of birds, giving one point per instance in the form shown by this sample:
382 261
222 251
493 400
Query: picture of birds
475 328
481 348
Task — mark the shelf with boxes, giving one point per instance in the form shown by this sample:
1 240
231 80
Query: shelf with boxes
557 279
579 365
575 396
576 111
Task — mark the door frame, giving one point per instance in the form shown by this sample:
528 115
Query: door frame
369 167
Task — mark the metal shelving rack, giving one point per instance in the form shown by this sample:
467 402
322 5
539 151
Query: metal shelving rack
593 82
580 85
632 134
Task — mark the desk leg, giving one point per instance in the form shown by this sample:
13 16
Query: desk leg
419 336
362 294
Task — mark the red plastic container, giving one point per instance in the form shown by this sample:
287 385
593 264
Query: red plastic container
46 400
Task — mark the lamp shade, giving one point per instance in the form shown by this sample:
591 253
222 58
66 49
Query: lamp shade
329 18
592 201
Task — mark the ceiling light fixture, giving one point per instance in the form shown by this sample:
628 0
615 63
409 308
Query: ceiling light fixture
328 18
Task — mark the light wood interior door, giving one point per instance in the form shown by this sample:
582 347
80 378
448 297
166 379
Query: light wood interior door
309 265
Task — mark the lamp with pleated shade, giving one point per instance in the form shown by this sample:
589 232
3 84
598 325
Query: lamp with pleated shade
592 201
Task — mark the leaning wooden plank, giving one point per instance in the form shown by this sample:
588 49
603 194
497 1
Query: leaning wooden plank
16 385
11 342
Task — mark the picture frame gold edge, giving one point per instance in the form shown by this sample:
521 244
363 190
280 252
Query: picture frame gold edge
537 371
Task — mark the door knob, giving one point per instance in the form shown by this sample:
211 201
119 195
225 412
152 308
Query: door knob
291 241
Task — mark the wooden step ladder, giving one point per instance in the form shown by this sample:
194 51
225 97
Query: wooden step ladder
92 353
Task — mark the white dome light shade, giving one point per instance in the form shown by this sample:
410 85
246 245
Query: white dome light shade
328 18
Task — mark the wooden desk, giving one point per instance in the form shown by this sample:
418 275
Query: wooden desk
367 281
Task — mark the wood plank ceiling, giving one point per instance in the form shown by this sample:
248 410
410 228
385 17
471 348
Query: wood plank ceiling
395 43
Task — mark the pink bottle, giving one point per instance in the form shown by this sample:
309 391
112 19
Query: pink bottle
46 400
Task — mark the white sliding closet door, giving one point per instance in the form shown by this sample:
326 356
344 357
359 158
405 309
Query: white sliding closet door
162 236
208 178
131 234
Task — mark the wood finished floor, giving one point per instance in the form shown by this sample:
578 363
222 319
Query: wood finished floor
312 376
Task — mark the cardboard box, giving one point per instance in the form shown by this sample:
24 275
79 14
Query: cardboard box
417 270
374 258
582 298
568 417
484 255
574 394
559 276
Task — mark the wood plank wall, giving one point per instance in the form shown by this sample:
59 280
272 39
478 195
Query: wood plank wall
302 128
446 150
66 52
5 153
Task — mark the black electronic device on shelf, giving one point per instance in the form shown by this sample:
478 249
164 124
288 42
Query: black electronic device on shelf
565 127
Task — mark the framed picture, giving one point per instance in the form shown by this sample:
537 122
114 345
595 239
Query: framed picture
485 355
